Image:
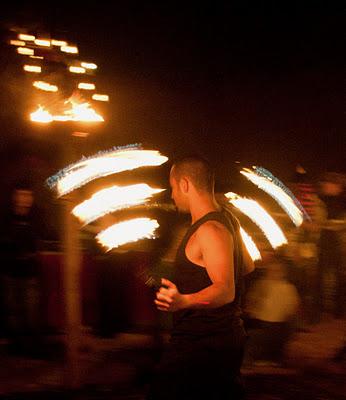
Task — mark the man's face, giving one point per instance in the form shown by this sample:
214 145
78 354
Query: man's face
177 195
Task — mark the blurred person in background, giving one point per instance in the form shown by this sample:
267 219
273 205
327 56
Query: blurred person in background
20 271
272 304
332 245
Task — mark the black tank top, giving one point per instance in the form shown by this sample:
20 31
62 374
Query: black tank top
191 278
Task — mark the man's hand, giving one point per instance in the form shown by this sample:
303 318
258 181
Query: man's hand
168 298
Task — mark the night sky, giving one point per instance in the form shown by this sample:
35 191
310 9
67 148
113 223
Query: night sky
256 84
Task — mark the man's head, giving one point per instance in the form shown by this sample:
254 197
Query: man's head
190 176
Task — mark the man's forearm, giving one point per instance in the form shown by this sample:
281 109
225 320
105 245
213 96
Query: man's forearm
215 295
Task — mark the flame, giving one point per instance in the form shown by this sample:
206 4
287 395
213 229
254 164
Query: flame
100 97
32 68
113 199
277 193
86 86
250 245
27 38
127 232
45 86
78 113
41 115
260 217
89 65
114 162
39 57
25 51
69 49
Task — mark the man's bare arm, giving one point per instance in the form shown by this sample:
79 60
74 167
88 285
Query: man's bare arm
216 246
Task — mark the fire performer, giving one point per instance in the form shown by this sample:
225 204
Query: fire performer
205 352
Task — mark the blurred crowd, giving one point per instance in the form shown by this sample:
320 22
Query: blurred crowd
289 291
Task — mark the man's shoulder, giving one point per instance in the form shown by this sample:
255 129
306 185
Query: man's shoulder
212 229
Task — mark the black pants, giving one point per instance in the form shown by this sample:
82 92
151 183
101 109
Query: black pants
207 368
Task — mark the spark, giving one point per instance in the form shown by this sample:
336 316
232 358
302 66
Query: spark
250 245
113 199
111 162
277 193
127 232
260 217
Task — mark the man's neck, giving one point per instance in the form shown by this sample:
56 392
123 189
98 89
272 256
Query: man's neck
204 207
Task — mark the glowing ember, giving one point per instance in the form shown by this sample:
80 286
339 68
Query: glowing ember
250 245
86 86
45 86
58 43
112 162
69 49
100 97
127 232
77 70
42 42
88 65
113 199
37 57
25 51
260 217
27 38
277 193
32 68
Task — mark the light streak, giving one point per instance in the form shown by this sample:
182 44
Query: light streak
69 49
111 162
86 86
250 245
260 217
77 70
25 37
17 43
100 97
89 65
32 68
25 51
59 43
113 199
45 86
127 232
42 42
268 175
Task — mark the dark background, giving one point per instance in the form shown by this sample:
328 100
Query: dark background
259 84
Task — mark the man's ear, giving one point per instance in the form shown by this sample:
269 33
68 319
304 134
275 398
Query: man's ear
184 185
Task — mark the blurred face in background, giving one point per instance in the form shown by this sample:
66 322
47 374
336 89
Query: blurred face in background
23 200
331 188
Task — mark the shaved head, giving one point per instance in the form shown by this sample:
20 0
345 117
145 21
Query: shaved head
197 170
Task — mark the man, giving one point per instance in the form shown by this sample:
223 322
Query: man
205 353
